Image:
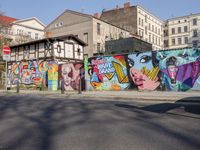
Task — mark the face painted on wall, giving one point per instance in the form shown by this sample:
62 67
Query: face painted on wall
67 74
142 72
70 76
175 65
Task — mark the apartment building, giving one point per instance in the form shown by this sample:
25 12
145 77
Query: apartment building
93 31
138 21
182 32
21 30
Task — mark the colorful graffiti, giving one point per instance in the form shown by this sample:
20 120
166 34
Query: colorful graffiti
29 73
180 68
52 76
70 75
142 71
108 73
174 70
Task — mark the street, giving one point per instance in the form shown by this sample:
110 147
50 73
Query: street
33 122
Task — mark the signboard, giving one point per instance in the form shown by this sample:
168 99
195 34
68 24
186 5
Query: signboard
6 53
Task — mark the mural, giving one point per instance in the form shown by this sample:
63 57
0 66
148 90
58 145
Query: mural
52 76
29 73
70 74
173 70
180 68
142 71
108 73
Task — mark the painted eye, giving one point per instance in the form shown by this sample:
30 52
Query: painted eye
145 59
130 62
183 55
90 72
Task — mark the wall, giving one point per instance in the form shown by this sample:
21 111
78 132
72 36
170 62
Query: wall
46 73
70 75
28 72
174 70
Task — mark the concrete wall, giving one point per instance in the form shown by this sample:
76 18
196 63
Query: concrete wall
177 70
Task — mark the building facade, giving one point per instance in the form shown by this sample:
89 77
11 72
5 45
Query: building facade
182 32
19 31
46 62
127 45
25 30
138 21
93 31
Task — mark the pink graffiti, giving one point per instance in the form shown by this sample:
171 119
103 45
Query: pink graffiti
142 81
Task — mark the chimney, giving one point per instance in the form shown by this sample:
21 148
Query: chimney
96 15
127 5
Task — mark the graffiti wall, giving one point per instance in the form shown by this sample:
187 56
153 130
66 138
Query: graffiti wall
29 73
179 69
52 76
108 73
70 75
172 70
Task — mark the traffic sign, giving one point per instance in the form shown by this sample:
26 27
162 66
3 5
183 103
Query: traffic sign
6 53
6 50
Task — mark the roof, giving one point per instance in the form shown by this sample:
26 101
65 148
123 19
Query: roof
181 17
86 15
51 39
32 18
5 20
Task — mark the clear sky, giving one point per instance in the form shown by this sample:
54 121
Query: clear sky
47 10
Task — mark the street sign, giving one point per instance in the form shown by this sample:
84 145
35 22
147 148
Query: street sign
6 53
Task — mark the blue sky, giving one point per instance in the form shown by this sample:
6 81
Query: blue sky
47 10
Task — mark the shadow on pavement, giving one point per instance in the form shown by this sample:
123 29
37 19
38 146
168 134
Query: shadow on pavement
39 123
190 105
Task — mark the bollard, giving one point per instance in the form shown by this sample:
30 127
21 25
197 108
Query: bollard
79 89
62 87
17 86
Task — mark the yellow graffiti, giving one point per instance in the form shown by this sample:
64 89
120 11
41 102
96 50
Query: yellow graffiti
120 73
109 75
152 74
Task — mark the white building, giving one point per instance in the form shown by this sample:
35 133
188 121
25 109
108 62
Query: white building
182 32
27 30
138 21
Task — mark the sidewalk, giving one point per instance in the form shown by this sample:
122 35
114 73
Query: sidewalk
116 95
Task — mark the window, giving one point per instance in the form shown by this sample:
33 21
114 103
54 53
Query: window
195 33
185 29
85 38
166 43
98 47
179 21
173 30
29 34
195 43
36 36
58 48
145 18
179 41
142 22
153 28
179 29
149 37
98 28
139 21
156 29
173 42
186 40
149 26
166 32
146 30
153 39
194 22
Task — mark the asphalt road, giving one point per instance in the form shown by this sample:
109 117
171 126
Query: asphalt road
45 123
